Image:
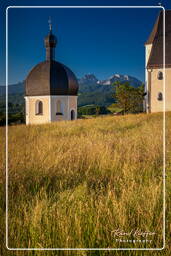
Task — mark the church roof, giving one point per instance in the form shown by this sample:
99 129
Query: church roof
51 78
156 39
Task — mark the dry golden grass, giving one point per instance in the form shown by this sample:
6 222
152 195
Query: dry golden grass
71 184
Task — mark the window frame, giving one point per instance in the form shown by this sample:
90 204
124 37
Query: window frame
39 108
59 107
160 75
160 96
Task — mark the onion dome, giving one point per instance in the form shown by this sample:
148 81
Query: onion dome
50 77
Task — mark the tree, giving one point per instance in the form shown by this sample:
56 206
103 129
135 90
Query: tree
97 110
129 98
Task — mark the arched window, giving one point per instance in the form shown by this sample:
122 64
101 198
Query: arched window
39 107
72 115
58 108
160 96
160 75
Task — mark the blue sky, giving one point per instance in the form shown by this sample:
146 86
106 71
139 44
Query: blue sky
99 41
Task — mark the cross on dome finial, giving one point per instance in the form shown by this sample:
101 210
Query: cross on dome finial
50 24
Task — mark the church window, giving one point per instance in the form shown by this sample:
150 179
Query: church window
72 115
160 75
39 107
58 108
160 96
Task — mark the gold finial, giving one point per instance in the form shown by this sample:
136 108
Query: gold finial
50 24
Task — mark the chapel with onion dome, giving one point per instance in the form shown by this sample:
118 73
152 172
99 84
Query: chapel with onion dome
50 89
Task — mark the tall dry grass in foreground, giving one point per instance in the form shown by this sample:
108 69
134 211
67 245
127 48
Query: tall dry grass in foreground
71 184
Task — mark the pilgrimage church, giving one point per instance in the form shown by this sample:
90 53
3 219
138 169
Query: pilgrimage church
50 89
154 101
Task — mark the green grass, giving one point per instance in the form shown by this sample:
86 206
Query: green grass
71 184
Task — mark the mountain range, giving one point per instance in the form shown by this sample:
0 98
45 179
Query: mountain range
92 79
91 89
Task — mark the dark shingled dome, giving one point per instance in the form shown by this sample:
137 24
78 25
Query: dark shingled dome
51 78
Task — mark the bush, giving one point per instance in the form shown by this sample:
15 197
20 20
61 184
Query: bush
2 119
17 118
92 110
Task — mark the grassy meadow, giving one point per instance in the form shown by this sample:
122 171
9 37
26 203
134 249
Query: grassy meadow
73 184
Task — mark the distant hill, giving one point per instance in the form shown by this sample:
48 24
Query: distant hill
100 92
91 89
13 89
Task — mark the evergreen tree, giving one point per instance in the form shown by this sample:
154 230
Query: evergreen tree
129 98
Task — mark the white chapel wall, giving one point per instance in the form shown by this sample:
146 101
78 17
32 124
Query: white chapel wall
31 116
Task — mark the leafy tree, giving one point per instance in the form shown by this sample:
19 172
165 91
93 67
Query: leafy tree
129 98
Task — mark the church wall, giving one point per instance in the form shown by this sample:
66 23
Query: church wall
168 89
156 86
148 48
27 109
50 109
64 108
68 103
72 105
31 117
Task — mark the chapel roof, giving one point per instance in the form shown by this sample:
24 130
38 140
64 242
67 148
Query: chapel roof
156 39
50 77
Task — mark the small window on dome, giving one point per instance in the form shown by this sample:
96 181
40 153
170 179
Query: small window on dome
160 96
39 107
160 75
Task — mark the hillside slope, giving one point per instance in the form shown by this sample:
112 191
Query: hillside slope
72 184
